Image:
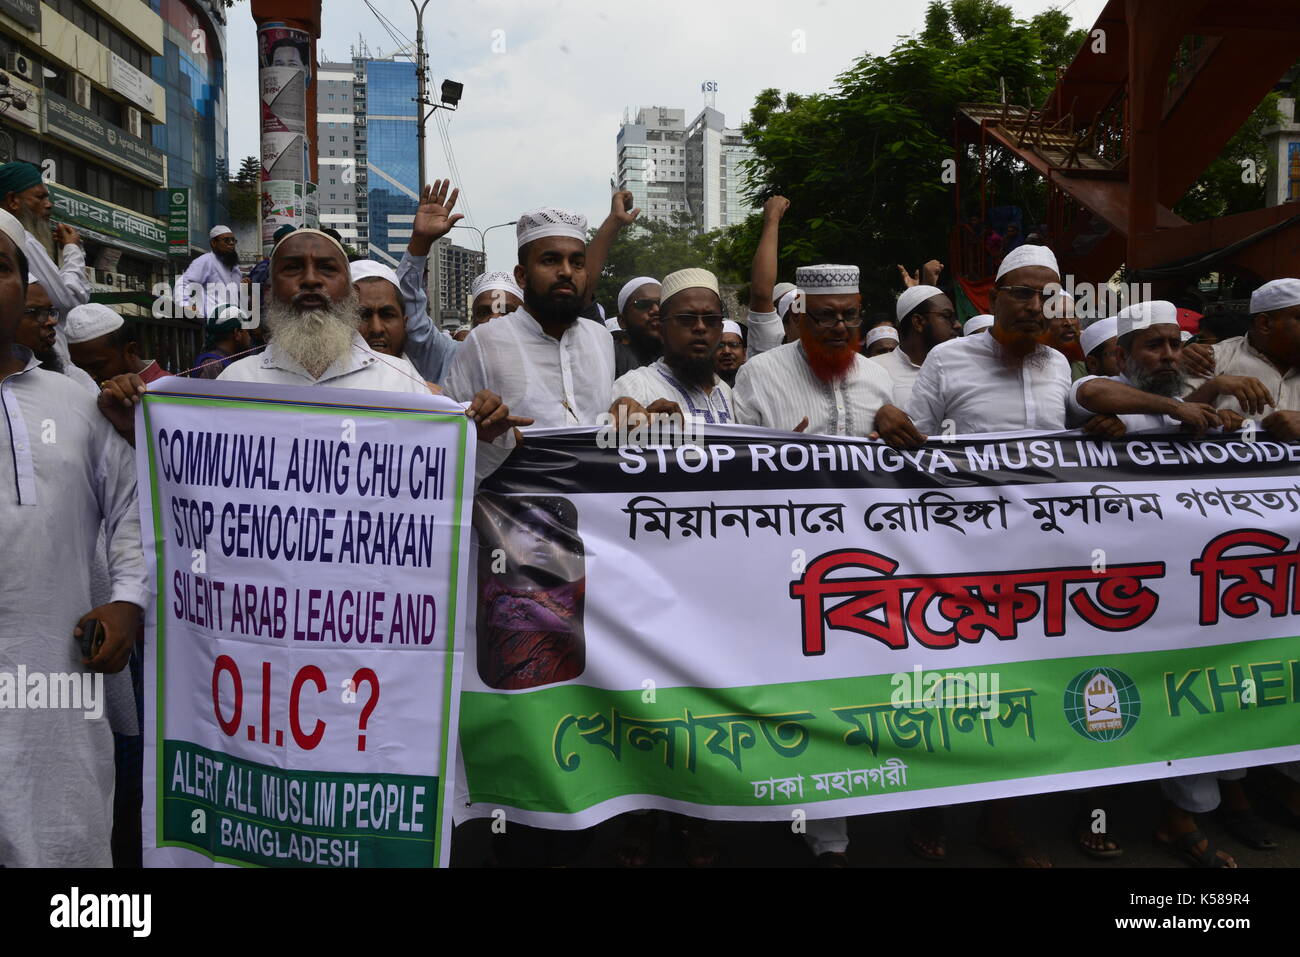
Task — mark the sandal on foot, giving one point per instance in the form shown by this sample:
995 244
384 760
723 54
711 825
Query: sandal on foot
925 837
1247 827
832 859
1083 835
1017 852
1184 846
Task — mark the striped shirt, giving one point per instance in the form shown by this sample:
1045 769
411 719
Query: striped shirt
778 389
657 381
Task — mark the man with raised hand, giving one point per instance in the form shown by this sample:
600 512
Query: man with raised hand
821 382
769 320
926 317
430 350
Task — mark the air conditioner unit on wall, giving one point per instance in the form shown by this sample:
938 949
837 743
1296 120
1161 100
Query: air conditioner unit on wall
19 64
134 121
81 90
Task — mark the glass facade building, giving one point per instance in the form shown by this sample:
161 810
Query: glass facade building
192 70
388 151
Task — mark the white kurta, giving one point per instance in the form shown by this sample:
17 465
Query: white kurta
656 381
766 332
778 389
966 382
1238 357
902 372
362 368
66 285
63 471
219 285
1133 421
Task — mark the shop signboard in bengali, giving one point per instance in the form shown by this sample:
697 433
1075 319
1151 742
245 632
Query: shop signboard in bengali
79 126
178 220
106 223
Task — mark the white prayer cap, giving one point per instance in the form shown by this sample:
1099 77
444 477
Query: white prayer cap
1278 294
780 289
1142 315
495 280
827 279
682 279
10 226
1028 255
370 269
1186 336
549 221
786 299
612 324
216 231
882 332
733 327
90 321
631 286
976 324
1097 334
913 297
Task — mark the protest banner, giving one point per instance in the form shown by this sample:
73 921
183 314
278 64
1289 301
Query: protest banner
761 623
303 655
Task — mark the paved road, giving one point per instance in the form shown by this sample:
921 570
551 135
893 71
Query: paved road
877 840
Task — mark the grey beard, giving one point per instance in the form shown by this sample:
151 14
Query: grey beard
1171 386
316 338
39 227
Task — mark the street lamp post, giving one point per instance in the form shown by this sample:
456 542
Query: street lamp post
482 235
449 95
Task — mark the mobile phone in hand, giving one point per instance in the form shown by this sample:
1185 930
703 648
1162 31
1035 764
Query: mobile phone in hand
92 637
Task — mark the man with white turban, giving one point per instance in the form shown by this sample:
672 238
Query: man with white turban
1100 351
493 294
926 317
638 317
692 330
212 279
1009 379
1269 353
880 340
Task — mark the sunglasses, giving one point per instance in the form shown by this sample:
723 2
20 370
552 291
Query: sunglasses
644 304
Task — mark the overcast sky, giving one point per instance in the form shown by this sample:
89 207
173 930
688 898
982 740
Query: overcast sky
538 122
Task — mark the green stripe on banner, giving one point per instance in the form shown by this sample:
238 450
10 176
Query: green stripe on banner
240 812
858 737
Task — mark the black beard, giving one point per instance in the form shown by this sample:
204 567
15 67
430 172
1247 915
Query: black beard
562 311
49 360
228 259
646 346
697 372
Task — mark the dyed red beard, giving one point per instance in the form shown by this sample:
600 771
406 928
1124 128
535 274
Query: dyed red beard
1017 346
830 365
1072 350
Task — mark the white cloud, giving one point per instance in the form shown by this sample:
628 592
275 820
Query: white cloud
537 123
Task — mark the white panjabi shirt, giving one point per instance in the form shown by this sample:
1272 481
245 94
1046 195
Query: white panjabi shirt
778 389
902 370
656 381
968 383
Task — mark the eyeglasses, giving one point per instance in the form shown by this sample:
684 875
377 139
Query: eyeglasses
644 304
41 313
827 319
686 320
1026 293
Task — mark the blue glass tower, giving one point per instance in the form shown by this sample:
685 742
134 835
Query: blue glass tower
393 176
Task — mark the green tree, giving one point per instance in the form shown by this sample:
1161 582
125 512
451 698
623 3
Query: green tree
862 163
651 248
1223 188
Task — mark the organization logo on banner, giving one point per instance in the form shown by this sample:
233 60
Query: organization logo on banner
1102 704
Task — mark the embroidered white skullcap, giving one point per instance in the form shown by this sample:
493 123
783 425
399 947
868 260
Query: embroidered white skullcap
369 269
913 297
90 321
1097 334
682 279
1142 315
495 280
827 279
216 231
1278 294
786 300
1028 255
976 324
733 327
612 324
882 332
631 286
10 226
549 221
